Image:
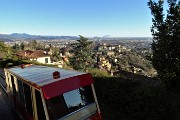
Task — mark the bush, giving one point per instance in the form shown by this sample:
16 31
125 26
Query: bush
97 73
125 99
9 62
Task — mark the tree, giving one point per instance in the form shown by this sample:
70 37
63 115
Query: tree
2 46
22 46
6 50
166 41
16 47
55 53
64 50
81 59
32 45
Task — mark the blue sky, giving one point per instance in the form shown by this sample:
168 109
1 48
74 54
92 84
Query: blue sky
117 18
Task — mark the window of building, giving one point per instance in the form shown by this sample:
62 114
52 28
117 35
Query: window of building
46 60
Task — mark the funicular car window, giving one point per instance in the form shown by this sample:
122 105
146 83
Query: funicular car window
28 100
21 92
39 105
62 105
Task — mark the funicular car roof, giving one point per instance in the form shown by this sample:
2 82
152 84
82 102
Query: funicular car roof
42 76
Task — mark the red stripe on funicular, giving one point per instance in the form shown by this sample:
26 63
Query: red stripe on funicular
66 85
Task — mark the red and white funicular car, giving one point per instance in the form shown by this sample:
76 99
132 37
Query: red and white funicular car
46 93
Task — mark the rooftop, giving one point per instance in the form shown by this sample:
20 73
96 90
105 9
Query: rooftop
42 75
31 54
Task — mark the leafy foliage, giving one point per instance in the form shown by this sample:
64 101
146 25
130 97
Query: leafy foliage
33 45
55 53
6 50
18 47
97 73
166 44
130 59
122 98
81 59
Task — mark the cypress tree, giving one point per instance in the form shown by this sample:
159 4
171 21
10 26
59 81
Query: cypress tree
166 41
82 59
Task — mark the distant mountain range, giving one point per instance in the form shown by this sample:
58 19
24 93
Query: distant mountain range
24 36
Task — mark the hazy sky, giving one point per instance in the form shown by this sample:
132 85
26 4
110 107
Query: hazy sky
117 18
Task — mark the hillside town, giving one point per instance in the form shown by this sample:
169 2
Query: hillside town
109 54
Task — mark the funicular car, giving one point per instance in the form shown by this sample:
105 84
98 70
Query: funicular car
47 93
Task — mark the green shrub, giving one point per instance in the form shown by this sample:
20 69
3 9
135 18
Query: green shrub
98 73
9 62
130 100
